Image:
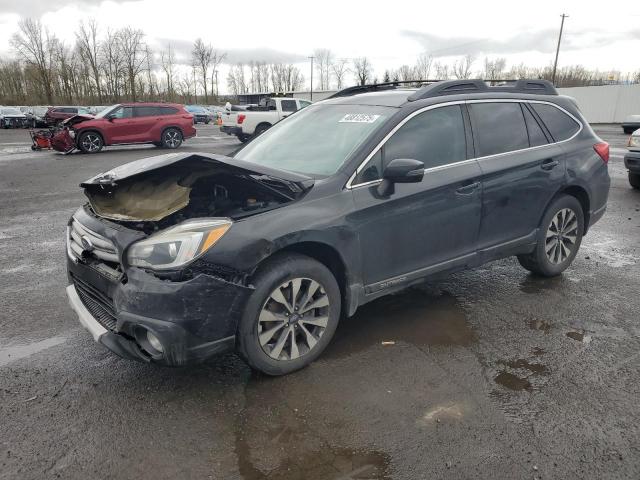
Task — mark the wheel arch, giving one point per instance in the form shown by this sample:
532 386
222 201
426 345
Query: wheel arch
177 127
581 194
328 256
266 124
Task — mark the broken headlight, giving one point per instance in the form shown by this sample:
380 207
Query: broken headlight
177 246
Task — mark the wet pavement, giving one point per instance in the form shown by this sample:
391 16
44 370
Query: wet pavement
490 373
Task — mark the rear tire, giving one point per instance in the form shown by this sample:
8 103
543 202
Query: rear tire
171 138
90 142
634 180
285 287
260 129
243 138
559 238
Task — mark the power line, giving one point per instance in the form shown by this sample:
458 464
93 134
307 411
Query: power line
555 64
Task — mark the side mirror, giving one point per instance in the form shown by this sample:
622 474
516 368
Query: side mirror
400 170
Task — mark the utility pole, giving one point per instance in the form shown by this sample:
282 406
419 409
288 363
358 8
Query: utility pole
555 64
311 90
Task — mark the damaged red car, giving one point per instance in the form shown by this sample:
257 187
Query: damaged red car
161 124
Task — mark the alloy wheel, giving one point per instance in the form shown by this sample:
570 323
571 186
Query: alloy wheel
561 236
172 138
293 319
91 142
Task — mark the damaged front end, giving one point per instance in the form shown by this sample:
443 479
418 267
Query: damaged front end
64 139
139 276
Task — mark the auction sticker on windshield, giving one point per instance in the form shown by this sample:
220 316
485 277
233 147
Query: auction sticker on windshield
358 118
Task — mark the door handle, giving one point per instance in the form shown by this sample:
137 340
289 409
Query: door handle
549 164
468 189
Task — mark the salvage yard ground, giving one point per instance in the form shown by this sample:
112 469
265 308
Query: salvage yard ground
491 373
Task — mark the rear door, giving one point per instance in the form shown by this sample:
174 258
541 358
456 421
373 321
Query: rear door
144 119
521 170
422 227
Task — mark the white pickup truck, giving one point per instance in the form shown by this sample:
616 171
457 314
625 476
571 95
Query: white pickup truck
255 120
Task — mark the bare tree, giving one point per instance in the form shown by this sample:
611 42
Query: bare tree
89 48
324 59
441 70
405 72
423 66
362 70
133 54
113 64
34 45
202 56
236 79
167 60
340 68
462 68
494 69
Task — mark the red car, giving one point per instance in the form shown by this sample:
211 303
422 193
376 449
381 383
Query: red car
162 124
55 115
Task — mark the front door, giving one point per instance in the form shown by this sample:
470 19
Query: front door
119 130
423 227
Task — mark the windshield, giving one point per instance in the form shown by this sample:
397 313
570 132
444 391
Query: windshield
103 113
11 111
316 140
192 109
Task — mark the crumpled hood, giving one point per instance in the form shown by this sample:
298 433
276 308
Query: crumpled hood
76 119
153 188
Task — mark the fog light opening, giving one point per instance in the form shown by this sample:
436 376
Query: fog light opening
154 342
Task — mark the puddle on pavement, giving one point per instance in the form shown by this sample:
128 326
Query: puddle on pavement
533 284
275 440
579 337
537 324
11 353
421 315
522 363
512 382
537 351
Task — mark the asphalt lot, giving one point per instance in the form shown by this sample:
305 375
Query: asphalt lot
491 373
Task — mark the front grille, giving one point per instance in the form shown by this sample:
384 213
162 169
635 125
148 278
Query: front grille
98 304
84 242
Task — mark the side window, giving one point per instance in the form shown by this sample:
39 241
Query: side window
271 105
536 135
123 112
560 125
288 105
167 111
303 103
145 111
435 137
498 128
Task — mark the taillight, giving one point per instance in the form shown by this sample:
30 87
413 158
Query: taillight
602 149
241 118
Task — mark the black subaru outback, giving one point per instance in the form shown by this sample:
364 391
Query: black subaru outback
178 257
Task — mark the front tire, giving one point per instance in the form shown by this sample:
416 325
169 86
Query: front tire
559 238
172 138
634 180
290 317
90 142
260 129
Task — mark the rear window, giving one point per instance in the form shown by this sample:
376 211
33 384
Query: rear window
498 128
560 125
289 105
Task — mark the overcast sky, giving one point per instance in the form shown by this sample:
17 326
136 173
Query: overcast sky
598 34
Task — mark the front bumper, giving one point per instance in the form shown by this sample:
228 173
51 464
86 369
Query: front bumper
11 122
193 319
632 161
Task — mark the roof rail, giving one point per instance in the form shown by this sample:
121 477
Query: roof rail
453 87
374 87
